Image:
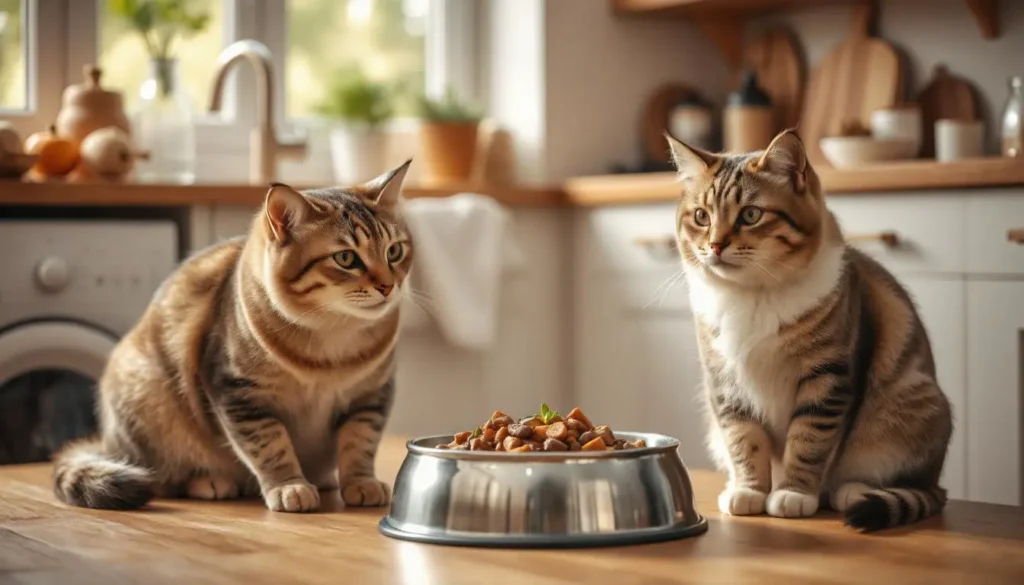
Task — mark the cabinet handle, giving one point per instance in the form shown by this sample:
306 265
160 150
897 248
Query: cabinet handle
1015 235
889 239
660 247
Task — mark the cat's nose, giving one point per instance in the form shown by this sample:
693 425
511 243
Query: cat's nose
384 289
717 247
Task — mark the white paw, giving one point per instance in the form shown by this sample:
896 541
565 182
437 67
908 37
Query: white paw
365 491
847 495
741 501
790 504
298 496
211 488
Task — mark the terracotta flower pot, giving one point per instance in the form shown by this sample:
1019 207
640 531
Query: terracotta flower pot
448 151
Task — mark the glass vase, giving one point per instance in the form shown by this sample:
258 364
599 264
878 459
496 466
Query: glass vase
164 128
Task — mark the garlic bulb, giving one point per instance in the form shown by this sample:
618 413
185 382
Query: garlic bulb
108 152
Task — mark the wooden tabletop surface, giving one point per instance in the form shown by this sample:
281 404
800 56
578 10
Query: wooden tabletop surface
191 543
143 195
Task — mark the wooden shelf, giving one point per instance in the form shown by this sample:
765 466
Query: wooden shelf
723 20
896 176
132 194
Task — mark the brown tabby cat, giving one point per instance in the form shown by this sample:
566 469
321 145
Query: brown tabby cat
818 372
263 365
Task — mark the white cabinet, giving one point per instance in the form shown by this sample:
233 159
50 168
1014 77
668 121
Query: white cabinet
989 219
636 363
995 360
941 303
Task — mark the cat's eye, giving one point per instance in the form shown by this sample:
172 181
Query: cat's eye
750 214
396 252
701 217
347 259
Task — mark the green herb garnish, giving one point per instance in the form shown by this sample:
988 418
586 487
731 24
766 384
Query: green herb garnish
547 415
476 433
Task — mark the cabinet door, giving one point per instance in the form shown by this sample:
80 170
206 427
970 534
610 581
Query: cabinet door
231 220
942 307
671 381
995 357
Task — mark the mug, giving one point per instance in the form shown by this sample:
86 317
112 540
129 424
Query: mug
898 123
958 139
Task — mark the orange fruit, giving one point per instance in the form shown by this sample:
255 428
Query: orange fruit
57 156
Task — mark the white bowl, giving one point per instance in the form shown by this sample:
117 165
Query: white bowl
855 151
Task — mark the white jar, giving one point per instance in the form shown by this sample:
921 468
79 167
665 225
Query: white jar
901 123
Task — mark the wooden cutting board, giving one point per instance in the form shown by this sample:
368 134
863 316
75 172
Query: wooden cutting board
946 96
774 55
859 76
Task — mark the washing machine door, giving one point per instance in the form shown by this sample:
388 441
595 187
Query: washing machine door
48 376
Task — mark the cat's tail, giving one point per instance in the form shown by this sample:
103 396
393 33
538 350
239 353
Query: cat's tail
85 475
890 507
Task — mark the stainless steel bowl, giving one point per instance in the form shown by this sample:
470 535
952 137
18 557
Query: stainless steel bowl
525 500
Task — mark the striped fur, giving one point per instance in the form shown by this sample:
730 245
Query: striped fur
264 365
818 371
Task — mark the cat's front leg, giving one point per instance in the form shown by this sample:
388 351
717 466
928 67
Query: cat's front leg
261 441
747 450
361 426
823 399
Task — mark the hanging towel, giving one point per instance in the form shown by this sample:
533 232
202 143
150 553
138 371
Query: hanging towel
463 246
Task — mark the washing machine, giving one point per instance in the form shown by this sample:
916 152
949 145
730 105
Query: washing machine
68 291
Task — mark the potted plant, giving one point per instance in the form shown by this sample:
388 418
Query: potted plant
163 122
448 138
361 106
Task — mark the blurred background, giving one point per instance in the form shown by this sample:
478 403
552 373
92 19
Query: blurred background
539 168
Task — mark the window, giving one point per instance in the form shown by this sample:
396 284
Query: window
384 39
125 59
411 45
13 90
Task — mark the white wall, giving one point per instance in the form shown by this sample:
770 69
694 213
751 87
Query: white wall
600 69
927 33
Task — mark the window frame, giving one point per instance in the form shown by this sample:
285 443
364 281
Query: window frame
45 65
222 141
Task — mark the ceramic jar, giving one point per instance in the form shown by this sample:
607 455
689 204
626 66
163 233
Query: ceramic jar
88 106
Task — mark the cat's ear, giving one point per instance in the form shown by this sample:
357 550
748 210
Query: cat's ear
690 162
285 209
785 157
388 187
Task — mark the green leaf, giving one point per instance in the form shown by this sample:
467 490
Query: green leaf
354 98
448 109
547 415
123 8
477 432
169 18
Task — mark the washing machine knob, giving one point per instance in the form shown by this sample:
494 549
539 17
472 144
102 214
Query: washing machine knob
53 274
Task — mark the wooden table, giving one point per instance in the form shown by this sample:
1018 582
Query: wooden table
189 543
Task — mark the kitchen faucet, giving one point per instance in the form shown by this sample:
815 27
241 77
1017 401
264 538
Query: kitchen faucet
264 144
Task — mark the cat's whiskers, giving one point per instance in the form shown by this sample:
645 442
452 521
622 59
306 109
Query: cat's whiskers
423 301
665 288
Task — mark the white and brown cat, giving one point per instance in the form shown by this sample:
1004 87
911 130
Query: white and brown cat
818 373
264 365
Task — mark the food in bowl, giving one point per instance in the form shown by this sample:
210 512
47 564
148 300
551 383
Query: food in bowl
545 431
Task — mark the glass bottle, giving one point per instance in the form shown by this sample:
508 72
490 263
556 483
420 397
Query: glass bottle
1012 130
164 126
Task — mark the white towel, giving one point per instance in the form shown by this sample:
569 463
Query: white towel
463 246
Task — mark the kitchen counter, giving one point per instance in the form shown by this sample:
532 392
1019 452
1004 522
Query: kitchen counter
134 194
924 176
180 541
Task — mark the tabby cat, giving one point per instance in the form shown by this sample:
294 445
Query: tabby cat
264 365
818 373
